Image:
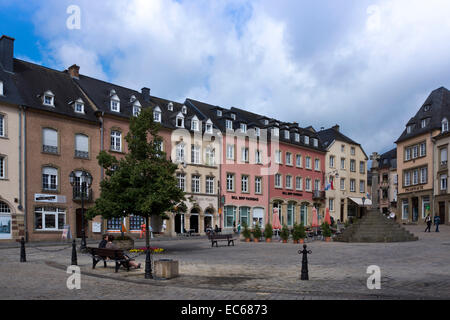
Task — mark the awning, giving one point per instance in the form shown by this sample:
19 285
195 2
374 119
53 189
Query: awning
359 202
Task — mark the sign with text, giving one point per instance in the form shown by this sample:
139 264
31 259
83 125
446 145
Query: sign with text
49 198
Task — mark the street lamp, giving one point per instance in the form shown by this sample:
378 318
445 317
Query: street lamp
81 184
363 200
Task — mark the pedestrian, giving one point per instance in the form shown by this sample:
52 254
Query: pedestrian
428 222
437 221
104 241
239 228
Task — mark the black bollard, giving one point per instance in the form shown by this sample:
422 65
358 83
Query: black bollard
305 253
148 265
23 257
74 253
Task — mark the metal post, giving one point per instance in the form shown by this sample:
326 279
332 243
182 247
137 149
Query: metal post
74 253
148 265
305 253
23 257
83 234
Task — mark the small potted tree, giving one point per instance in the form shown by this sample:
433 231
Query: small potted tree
246 232
326 231
301 233
257 233
284 234
268 232
295 235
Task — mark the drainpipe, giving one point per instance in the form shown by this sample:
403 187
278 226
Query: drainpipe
102 171
432 176
25 171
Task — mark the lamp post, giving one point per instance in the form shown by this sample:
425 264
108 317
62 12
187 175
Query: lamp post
363 208
85 182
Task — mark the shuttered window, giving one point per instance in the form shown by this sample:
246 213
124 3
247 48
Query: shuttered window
81 146
50 140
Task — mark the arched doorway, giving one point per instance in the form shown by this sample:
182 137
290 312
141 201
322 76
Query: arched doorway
208 219
193 220
5 221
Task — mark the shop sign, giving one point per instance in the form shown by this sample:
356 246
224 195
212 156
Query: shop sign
244 198
49 198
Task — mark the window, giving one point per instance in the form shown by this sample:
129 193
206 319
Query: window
423 175
157 115
315 142
342 147
244 184
49 218
49 99
194 125
2 167
243 128
299 183
230 152
195 154
49 179
290 214
137 112
352 151
443 156
276 132
331 161
298 160
425 206
116 141
230 216
258 157
304 214
230 182
79 106
210 156
181 181
306 140
308 184
288 182
362 167
308 162
210 185
81 146
278 183
180 152
50 140
244 215
229 124
170 106
407 178
443 182
343 163
288 158
209 127
2 126
184 110
297 137
195 188
405 209
219 113
409 129
352 185
423 149
317 185
244 154
331 204
362 186
278 156
136 222
342 184
258 185
317 164
115 105
415 176
233 116
114 224
407 154
352 165
444 125
286 135
1 88
415 151
180 121
257 132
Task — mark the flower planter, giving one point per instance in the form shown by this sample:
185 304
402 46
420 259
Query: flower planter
295 241
269 240
327 239
284 241
247 239
256 240
301 241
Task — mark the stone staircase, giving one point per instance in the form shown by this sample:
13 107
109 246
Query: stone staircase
375 227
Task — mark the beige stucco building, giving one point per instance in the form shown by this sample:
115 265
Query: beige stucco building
345 175
441 174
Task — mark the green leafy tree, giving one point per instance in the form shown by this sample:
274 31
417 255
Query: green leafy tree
268 231
141 183
326 230
284 233
257 233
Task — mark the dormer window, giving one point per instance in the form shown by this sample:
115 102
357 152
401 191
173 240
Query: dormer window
136 108
409 129
229 124
180 120
1 89
243 128
184 110
133 98
266 122
286 134
195 124
315 142
209 126
157 115
49 99
257 132
297 137
170 106
276 132
306 140
219 113
424 122
444 125
233 116
79 106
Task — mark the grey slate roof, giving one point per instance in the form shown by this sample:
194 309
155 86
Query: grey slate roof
435 108
10 91
388 159
327 137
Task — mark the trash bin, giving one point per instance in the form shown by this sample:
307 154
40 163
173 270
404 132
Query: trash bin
166 268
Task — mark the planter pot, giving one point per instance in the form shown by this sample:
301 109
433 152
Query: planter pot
301 241
256 240
124 244
247 239
284 241
295 241
327 239
269 240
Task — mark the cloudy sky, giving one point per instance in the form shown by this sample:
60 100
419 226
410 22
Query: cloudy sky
365 65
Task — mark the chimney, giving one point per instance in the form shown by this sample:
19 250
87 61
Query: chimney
74 71
7 53
146 93
337 128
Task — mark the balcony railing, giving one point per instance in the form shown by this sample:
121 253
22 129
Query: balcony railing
50 149
87 195
81 154
318 195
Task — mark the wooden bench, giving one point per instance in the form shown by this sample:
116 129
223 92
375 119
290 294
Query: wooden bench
104 254
221 237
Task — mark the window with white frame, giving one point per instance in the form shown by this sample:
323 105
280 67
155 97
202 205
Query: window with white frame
2 93
362 186
288 182
299 183
317 184
170 106
2 126
415 151
116 141
290 214
352 151
331 161
180 121
444 125
342 184
115 101
195 184
49 99
243 128
180 152
288 159
181 181
230 152
157 115
286 135
352 185
230 216
195 154
405 209
257 132
276 132
423 149
278 156
49 140
258 185
423 175
298 160
331 204
352 165
49 179
230 182
137 109
343 163
297 137
258 157
244 184
362 167
308 163
219 113
209 127
233 116
210 185
210 156
244 154
306 140
194 124
407 178
184 110
443 179
308 184
79 106
278 182
407 154
317 164
81 146
229 124
2 167
49 218
244 215
315 142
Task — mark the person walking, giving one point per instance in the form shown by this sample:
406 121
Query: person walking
437 221
428 221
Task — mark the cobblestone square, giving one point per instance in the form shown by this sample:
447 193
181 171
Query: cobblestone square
250 271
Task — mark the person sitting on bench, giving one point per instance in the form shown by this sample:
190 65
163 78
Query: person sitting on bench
104 241
111 245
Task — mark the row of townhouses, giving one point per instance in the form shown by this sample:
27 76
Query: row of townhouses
235 166
412 179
